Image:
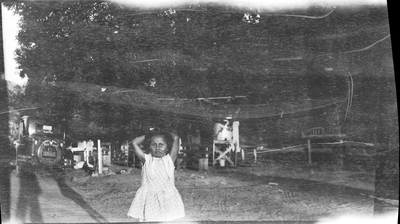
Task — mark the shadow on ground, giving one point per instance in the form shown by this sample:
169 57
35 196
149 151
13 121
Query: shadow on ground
68 192
28 197
5 193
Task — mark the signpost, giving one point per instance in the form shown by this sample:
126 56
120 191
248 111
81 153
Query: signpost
320 133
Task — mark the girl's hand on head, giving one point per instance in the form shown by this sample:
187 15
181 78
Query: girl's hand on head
138 140
175 146
173 134
138 151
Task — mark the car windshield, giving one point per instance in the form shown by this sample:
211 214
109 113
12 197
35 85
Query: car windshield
46 128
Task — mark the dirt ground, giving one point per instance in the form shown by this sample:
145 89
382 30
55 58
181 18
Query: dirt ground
271 189
266 190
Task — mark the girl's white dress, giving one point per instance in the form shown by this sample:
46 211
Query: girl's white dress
157 199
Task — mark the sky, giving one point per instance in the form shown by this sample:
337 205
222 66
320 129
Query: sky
10 21
10 30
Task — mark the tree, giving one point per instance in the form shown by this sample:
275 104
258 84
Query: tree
278 60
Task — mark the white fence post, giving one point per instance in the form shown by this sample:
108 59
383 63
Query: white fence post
100 156
309 151
235 134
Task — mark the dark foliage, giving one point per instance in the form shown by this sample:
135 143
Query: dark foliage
282 63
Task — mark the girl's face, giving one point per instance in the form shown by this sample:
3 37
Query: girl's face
158 146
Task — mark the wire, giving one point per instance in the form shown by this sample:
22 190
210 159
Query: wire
366 48
10 111
379 153
306 17
349 96
148 60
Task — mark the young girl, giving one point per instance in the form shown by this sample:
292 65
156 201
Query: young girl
157 199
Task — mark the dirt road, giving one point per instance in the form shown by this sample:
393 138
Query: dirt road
47 198
270 192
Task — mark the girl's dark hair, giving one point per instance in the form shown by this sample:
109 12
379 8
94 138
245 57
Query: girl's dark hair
167 136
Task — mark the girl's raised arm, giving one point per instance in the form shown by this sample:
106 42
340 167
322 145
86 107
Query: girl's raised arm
138 151
175 147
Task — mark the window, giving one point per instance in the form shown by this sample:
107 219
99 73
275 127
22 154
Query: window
22 127
43 128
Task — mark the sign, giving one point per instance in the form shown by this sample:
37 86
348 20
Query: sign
322 132
317 131
49 154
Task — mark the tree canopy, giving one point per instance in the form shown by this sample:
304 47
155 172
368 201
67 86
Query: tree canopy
281 61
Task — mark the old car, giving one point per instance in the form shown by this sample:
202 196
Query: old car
41 144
